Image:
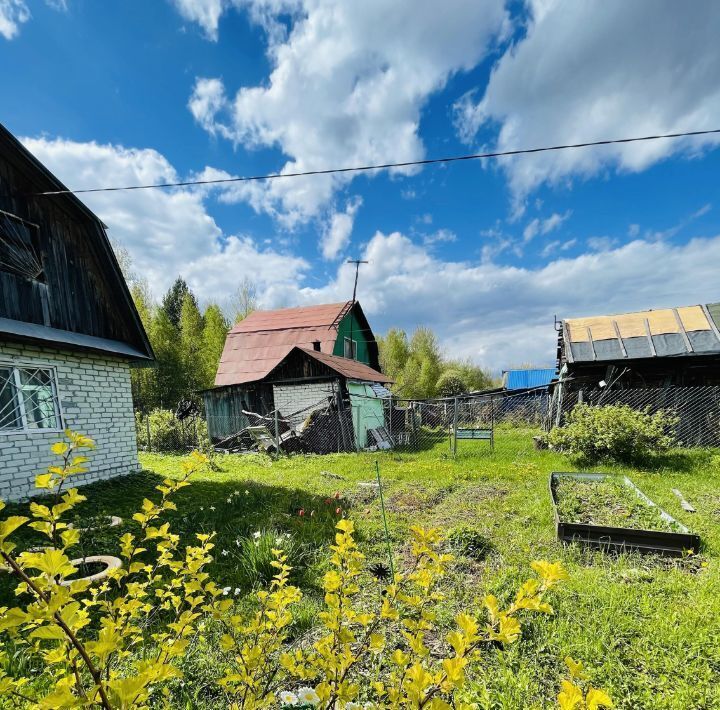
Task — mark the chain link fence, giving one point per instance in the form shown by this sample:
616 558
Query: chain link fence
444 426
697 408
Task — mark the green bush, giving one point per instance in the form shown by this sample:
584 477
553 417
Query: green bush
168 433
615 432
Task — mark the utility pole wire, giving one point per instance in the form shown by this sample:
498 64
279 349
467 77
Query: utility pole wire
365 168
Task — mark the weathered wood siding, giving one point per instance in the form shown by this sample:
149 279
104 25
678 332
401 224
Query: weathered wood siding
84 293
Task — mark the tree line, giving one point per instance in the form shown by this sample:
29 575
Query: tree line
187 342
420 370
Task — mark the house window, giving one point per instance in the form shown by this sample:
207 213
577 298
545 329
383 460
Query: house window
350 349
28 399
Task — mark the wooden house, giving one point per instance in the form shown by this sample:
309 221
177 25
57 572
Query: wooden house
293 360
656 348
69 331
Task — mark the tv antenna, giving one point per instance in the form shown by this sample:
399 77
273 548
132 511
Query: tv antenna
357 263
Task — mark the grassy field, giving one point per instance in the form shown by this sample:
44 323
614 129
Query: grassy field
647 628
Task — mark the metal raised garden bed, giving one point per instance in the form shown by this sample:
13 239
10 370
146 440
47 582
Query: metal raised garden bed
674 544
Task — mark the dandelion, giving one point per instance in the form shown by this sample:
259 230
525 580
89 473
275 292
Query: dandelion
288 698
308 696
226 591
257 534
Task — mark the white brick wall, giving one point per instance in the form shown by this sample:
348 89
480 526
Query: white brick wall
292 398
95 399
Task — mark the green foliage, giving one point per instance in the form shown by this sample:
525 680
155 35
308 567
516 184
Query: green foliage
451 384
215 329
469 542
187 345
172 302
419 370
168 433
253 557
616 432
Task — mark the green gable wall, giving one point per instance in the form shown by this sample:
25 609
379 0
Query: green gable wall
359 335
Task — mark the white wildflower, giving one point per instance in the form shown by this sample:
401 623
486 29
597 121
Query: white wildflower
212 507
288 698
224 553
237 591
257 534
308 696
226 590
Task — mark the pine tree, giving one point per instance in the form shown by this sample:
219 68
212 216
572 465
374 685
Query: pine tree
165 339
173 300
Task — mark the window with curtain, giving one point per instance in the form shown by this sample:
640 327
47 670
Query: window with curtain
28 399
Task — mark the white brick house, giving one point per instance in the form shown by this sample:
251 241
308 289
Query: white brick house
69 331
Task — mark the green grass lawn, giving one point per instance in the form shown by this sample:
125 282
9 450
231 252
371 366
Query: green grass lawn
648 628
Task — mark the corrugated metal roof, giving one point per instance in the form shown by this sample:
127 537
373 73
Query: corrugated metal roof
326 314
257 344
527 379
352 369
682 331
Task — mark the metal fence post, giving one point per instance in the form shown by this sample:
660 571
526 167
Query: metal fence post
277 436
455 421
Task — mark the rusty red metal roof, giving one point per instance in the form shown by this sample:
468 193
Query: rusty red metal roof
352 369
327 314
257 344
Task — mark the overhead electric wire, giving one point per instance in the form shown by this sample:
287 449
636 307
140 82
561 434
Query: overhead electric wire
384 166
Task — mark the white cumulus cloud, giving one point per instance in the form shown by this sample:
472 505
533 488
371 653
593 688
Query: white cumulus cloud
588 71
347 86
167 232
338 231
13 13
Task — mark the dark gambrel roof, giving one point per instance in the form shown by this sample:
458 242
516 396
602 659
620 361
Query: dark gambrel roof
39 178
670 332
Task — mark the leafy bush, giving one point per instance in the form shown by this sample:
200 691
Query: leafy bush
168 433
616 432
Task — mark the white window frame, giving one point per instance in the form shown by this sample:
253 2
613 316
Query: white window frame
15 367
353 348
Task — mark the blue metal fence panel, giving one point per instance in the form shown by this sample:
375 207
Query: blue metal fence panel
524 379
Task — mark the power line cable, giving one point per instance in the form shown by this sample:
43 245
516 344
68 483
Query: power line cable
365 168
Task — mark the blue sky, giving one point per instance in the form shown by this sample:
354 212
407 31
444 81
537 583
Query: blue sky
111 92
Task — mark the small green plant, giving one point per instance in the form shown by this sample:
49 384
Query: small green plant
254 556
469 542
616 432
